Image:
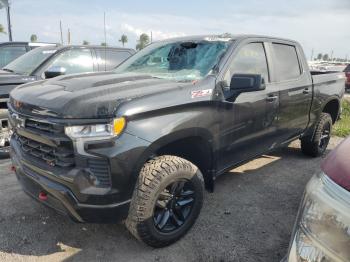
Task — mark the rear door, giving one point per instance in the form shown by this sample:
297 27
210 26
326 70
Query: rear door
295 89
108 59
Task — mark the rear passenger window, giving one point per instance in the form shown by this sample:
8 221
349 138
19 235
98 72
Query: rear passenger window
109 59
286 61
250 59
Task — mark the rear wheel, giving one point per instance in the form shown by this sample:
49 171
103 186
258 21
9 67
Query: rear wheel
318 144
166 202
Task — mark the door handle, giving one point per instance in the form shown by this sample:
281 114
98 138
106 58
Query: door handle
306 91
271 98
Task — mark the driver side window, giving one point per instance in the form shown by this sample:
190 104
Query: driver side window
250 59
75 61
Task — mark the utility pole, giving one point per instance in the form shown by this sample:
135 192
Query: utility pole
312 54
105 34
61 32
68 36
9 23
104 27
6 4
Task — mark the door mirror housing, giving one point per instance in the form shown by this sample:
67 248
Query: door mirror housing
54 71
247 83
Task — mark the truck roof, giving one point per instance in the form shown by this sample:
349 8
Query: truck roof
27 43
60 47
227 37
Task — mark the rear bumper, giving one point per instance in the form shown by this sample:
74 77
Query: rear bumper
62 199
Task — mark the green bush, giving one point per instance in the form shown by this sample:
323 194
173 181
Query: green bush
342 127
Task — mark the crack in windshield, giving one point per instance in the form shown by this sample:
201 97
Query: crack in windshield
178 61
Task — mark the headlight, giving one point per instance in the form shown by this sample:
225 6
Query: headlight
99 131
322 230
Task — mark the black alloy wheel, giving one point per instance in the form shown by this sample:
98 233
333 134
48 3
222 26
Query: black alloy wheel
174 206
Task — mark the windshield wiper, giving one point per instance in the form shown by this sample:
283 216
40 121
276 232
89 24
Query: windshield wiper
8 70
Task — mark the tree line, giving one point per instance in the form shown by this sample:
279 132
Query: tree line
143 40
326 57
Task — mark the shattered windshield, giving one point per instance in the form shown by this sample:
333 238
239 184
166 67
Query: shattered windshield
179 61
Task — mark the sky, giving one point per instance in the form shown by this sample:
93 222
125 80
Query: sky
319 25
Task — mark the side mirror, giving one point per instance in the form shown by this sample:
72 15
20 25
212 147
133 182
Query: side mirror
247 83
54 71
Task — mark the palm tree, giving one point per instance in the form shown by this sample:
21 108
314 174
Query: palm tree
142 42
85 42
33 38
2 29
123 39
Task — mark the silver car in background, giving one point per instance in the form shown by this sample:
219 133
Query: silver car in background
322 229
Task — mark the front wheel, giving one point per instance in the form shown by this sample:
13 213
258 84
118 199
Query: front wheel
318 144
166 202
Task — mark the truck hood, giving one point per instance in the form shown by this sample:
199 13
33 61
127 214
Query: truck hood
9 81
91 95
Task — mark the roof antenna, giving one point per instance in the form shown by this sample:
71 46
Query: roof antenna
104 28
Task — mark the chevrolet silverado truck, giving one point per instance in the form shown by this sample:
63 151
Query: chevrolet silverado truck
141 143
48 62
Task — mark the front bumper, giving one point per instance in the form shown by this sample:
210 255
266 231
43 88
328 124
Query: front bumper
62 199
322 229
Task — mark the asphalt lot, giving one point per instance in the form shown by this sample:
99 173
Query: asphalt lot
248 218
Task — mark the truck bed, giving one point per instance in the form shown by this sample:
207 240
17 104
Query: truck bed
337 78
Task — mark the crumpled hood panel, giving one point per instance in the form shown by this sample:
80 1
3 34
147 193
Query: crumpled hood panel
91 95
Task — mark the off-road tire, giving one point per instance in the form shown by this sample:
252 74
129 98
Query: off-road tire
311 146
154 177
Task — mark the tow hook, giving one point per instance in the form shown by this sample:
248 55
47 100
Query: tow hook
42 196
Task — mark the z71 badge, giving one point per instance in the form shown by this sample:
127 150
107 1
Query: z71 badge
201 93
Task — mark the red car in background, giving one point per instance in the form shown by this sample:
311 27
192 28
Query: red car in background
347 73
322 229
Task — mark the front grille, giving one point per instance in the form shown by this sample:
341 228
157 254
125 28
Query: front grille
62 156
35 125
100 169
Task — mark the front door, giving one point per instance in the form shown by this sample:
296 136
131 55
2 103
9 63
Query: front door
248 123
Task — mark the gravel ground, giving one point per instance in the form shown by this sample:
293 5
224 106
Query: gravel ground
248 218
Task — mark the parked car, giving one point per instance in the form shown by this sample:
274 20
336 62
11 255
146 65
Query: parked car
9 51
322 229
347 74
137 143
48 62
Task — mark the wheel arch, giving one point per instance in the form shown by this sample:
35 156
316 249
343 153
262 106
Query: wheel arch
194 145
332 107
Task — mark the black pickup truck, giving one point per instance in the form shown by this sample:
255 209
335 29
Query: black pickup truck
48 62
142 142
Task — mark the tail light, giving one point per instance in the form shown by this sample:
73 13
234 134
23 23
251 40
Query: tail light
337 164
